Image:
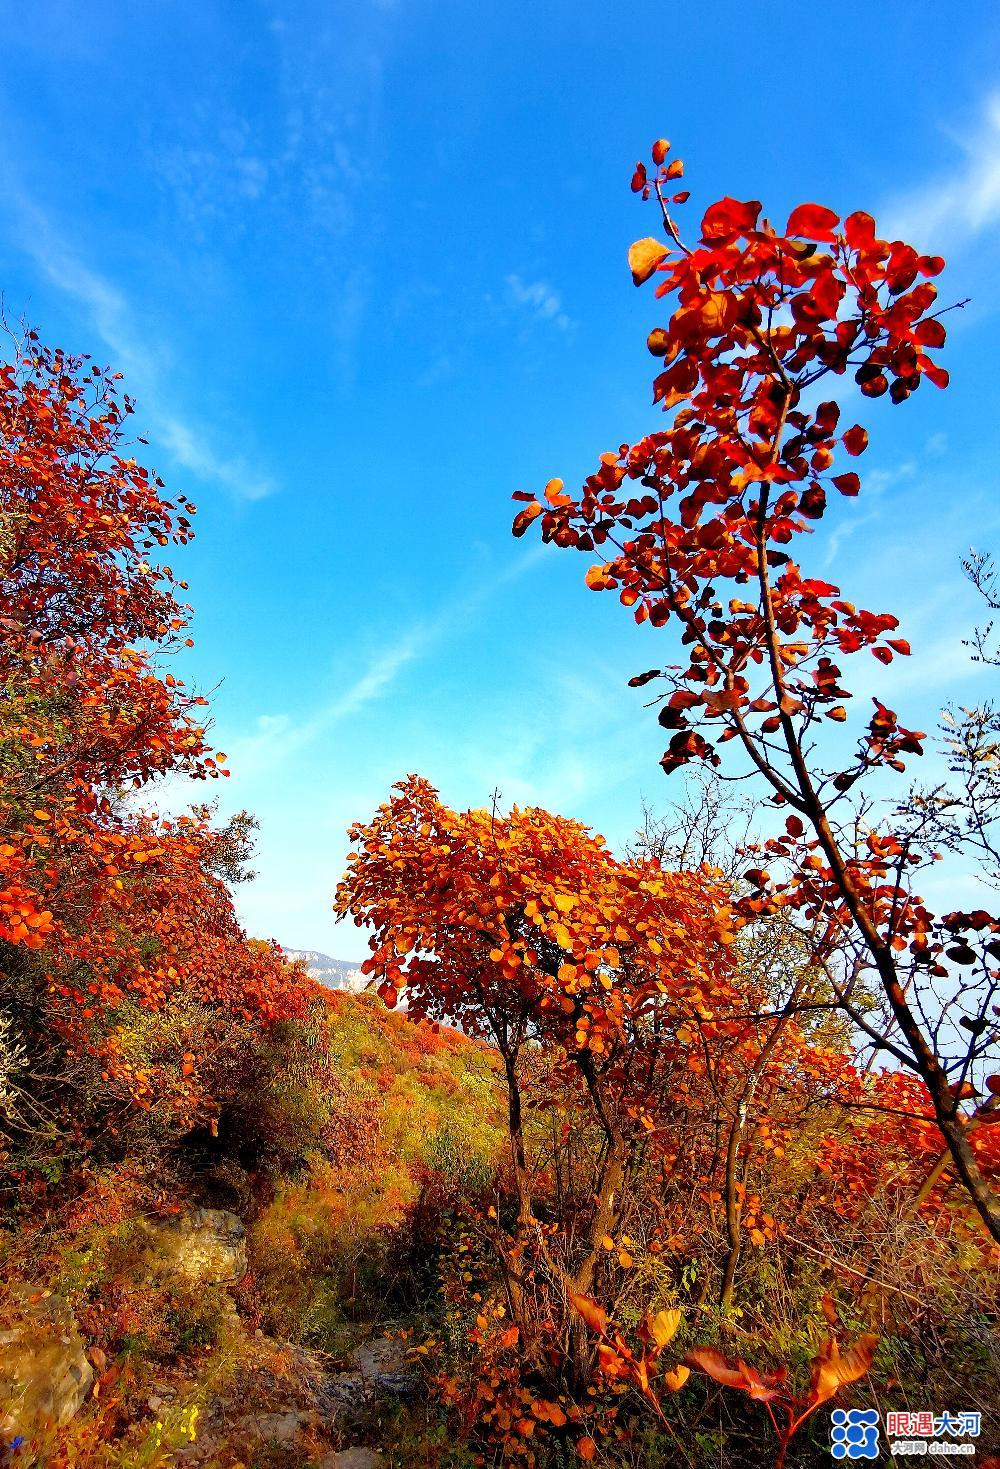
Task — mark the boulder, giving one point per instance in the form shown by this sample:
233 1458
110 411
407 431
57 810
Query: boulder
205 1244
44 1373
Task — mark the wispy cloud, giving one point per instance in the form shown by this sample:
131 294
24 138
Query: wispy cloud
875 486
276 738
962 203
142 360
539 299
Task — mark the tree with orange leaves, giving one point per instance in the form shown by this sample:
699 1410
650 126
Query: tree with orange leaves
101 905
591 976
527 929
647 1076
698 518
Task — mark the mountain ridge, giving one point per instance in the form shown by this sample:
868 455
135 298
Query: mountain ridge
335 974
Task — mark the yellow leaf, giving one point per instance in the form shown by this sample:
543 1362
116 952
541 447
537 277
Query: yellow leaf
675 1379
663 1326
643 258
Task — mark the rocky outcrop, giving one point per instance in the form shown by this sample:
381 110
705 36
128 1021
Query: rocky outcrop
294 1399
380 1368
204 1244
44 1372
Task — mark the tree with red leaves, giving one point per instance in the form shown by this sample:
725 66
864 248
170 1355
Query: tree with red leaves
699 517
99 903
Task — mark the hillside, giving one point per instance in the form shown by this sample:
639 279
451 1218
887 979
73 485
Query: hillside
237 1302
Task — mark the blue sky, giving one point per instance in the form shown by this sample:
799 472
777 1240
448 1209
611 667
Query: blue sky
363 265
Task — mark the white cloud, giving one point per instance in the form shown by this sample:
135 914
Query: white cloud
143 361
960 204
539 299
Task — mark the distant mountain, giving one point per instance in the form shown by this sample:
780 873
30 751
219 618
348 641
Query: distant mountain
336 974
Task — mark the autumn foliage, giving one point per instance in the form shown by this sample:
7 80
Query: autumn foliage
688 1058
106 910
669 1112
651 1155
700 517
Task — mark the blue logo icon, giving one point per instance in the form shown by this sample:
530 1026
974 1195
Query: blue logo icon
854 1433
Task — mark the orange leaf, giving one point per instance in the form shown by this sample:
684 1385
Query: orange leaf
595 1316
832 1370
737 1374
661 344
524 517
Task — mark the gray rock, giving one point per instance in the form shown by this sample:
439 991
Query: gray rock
358 1458
44 1373
205 1244
385 1363
379 1368
274 1428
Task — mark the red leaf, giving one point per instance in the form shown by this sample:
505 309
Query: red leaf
729 218
859 228
855 441
938 375
812 222
931 333
524 518
930 264
847 484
